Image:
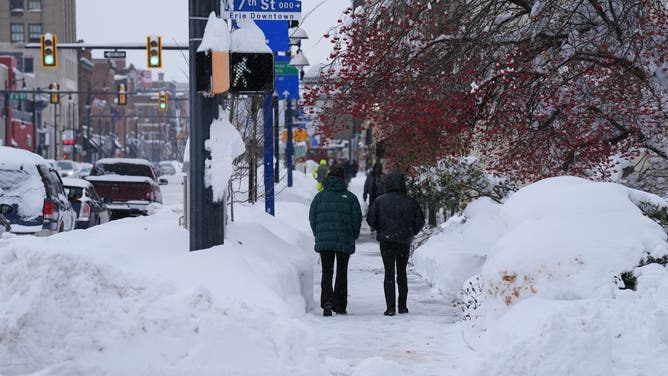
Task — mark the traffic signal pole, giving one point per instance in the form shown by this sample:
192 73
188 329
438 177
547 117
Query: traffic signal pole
206 218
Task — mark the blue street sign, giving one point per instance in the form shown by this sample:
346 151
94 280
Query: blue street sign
287 86
276 33
270 10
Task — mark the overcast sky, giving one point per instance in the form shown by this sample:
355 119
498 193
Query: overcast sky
130 21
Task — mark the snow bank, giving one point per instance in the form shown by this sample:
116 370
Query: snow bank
128 298
547 259
224 144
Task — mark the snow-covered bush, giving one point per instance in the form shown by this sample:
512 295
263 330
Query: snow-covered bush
567 238
547 258
454 182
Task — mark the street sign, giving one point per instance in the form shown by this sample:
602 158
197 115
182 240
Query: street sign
268 10
276 34
283 68
114 54
18 96
287 87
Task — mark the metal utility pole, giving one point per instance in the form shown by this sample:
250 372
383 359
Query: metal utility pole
55 131
267 111
288 147
207 218
6 111
277 153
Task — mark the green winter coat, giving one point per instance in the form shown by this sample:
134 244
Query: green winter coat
335 216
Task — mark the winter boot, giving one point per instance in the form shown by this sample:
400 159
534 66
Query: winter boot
390 312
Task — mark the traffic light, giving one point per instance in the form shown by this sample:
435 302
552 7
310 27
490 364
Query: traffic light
154 51
55 96
163 104
49 48
122 96
301 135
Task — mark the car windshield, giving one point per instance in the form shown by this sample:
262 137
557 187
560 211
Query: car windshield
65 165
124 169
85 169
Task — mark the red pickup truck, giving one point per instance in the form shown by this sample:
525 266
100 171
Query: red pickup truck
127 186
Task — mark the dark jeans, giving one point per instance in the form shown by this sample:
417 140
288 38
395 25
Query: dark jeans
395 254
336 298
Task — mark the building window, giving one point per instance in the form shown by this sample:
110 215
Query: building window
34 5
17 33
28 65
16 5
34 32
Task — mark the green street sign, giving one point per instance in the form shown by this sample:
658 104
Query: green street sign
283 69
18 96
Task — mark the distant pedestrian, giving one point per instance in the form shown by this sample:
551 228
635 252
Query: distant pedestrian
320 173
397 218
335 217
373 185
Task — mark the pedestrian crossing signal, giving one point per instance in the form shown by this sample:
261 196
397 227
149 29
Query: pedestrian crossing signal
49 50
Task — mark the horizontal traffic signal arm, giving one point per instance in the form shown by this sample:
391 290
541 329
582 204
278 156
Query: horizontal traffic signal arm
91 46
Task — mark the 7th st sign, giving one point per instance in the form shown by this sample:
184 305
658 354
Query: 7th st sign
283 10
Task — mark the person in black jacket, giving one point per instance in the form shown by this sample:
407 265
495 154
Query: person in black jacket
373 185
397 218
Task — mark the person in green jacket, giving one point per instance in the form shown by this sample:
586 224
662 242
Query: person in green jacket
335 217
320 173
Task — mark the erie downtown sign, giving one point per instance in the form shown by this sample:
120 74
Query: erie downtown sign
265 10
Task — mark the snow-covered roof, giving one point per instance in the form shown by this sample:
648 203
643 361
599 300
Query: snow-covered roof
120 178
138 161
16 157
74 182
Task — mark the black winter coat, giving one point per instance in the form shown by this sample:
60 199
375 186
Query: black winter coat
335 217
395 216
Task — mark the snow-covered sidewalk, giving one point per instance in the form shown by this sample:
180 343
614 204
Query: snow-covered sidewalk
422 342
364 342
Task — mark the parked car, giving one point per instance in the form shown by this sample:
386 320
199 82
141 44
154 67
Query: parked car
128 186
4 225
90 208
170 167
67 169
32 198
84 169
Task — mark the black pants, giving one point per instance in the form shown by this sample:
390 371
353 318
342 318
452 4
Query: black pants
395 254
336 298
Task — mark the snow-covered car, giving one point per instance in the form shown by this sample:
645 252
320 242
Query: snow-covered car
67 169
90 208
32 198
128 186
84 169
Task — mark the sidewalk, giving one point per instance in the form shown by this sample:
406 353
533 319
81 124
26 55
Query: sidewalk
421 342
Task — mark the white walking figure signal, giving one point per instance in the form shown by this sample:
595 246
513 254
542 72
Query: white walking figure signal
240 70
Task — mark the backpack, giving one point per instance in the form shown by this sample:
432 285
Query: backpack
321 173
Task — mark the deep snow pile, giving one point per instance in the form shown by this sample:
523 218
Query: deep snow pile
127 298
542 269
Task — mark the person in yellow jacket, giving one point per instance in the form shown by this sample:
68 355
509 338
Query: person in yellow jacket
320 173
